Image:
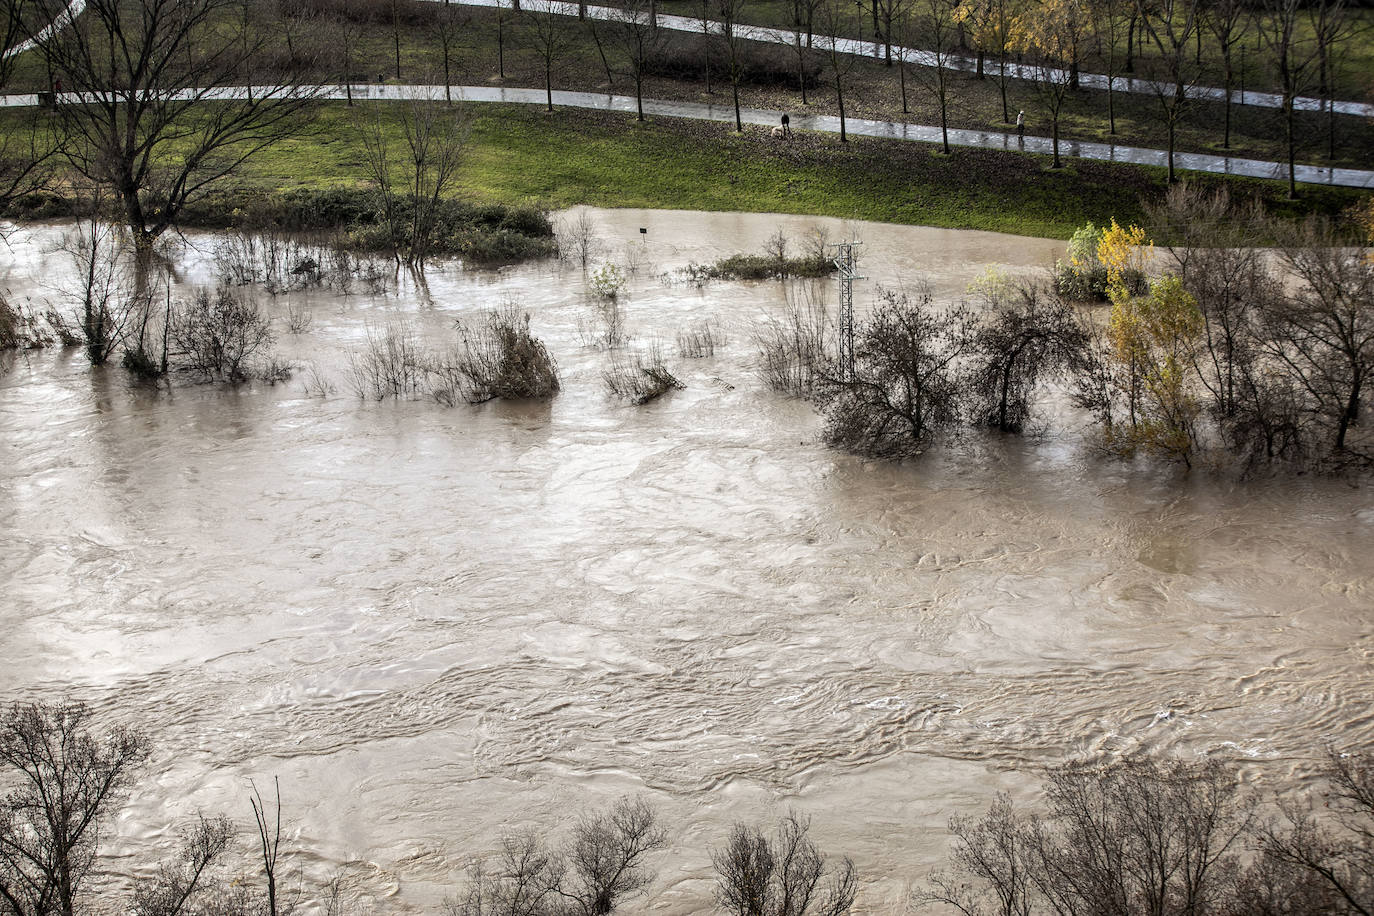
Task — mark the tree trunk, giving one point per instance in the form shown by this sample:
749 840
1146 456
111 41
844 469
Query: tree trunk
1054 134
839 94
601 50
1292 148
734 91
1172 130
1111 106
548 84
396 36
1002 83
901 77
1350 415
1226 108
1130 45
944 122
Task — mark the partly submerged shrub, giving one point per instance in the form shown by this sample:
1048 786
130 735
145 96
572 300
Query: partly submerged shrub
218 332
640 378
699 340
793 347
500 358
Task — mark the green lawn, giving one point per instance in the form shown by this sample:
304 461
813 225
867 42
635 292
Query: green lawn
521 154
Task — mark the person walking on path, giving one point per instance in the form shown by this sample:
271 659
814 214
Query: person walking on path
1021 124
786 125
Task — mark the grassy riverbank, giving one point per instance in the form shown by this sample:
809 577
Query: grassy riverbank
521 155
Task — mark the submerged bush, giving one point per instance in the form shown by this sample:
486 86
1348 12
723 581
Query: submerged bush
391 365
699 340
218 332
1085 277
793 347
500 358
640 378
479 233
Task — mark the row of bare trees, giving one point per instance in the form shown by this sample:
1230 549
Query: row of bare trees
1145 837
64 779
1135 836
1167 49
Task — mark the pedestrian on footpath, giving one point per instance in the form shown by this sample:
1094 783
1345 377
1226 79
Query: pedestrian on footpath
1021 125
786 125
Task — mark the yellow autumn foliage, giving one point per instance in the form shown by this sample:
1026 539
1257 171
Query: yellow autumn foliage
1124 251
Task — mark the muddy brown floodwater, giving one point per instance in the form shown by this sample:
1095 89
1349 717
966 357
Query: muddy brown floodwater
434 624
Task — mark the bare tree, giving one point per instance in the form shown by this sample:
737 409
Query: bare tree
449 26
1133 837
152 115
601 865
269 844
550 38
106 301
1108 18
606 856
835 19
219 332
1229 22
524 881
640 42
905 389
1171 25
993 865
1332 26
935 26
1323 331
1329 860
27 150
65 780
731 39
782 876
431 149
348 32
1024 334
1293 57
181 883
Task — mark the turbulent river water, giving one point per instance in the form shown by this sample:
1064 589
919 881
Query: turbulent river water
435 624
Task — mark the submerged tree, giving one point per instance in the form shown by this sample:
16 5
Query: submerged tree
1323 331
782 875
65 780
1025 335
601 865
905 389
1133 836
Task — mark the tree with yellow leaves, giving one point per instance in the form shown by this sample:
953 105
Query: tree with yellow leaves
993 25
1154 339
1054 31
1124 251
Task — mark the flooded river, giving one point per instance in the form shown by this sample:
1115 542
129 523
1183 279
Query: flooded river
436 623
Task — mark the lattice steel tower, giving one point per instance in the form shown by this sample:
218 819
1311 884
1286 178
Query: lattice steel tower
844 263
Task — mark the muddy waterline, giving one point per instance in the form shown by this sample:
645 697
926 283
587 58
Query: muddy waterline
435 624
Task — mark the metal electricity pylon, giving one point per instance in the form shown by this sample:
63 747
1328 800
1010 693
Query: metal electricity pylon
844 263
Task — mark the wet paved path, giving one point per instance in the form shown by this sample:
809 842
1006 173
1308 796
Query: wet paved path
927 59
864 49
1251 168
885 129
60 21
